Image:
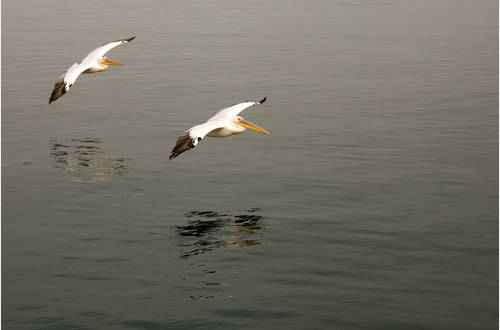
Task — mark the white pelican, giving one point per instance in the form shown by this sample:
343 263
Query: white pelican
224 123
95 61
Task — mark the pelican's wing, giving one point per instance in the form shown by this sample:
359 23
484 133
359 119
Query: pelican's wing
190 138
64 83
234 110
100 51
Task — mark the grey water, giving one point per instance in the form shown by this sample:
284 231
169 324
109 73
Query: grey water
373 203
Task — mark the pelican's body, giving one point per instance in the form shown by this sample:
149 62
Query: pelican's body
226 131
98 67
224 123
95 61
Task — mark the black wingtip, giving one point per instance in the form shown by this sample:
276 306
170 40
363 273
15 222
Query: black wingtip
130 39
175 154
58 91
183 143
263 100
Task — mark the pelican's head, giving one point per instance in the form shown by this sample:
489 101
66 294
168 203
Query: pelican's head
245 123
106 61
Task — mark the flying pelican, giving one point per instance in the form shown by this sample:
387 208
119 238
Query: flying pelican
94 62
224 123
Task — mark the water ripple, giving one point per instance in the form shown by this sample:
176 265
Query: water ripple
84 155
208 230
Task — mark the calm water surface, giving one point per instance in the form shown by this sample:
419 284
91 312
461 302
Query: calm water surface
373 204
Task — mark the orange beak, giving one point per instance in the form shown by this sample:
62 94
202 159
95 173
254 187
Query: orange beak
252 126
109 62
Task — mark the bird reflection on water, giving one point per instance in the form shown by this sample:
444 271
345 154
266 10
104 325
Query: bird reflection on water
208 230
205 232
84 155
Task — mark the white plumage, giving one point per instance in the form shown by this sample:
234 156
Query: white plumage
95 61
225 122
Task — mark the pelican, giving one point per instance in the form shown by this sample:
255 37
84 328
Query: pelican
224 123
95 61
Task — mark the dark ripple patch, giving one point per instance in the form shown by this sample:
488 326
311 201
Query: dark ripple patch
70 258
90 239
330 274
112 260
85 277
210 283
33 253
12 321
97 278
294 282
150 283
63 326
131 241
337 322
201 297
253 314
65 275
87 140
204 214
94 314
48 322
29 307
208 271
176 325
79 225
